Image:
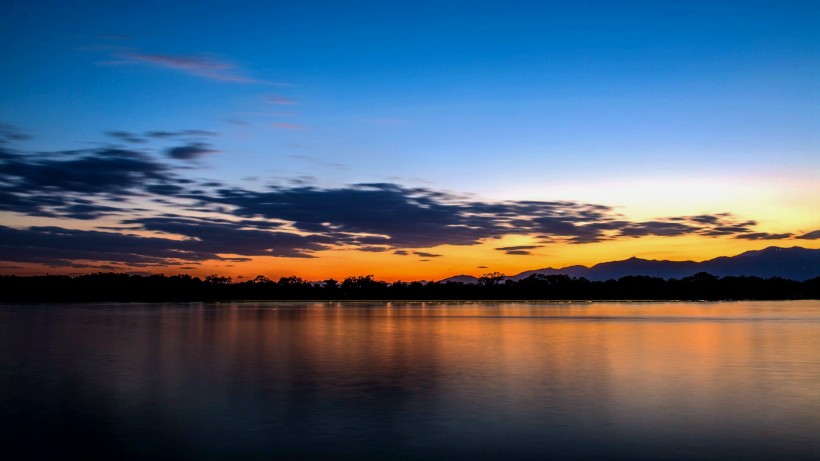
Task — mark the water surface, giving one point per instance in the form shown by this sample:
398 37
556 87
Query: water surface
676 381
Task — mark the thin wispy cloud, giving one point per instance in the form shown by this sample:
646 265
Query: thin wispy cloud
519 250
192 136
179 134
279 113
318 162
11 133
205 67
763 236
281 100
202 66
190 151
126 136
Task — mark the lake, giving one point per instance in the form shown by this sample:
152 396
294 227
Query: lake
272 380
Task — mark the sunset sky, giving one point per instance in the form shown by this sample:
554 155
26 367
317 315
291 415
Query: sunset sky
408 140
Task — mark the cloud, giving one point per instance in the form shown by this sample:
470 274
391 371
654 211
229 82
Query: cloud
63 183
519 247
719 224
707 219
10 133
199 66
519 250
137 138
373 249
762 236
293 220
319 162
389 214
87 171
371 213
164 189
126 136
56 246
212 236
281 100
161 134
235 121
204 241
813 235
278 113
662 228
86 211
189 151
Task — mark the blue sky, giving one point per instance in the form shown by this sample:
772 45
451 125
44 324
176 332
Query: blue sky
610 102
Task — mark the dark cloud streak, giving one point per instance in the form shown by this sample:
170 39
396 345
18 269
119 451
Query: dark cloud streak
189 151
813 235
763 236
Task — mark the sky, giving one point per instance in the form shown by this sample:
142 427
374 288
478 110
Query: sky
408 140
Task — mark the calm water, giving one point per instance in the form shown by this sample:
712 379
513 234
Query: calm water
412 380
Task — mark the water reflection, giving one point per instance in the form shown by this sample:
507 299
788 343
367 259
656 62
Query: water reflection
413 380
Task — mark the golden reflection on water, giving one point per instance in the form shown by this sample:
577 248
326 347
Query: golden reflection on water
629 378
658 366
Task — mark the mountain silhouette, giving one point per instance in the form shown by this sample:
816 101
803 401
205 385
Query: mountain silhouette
463 278
795 263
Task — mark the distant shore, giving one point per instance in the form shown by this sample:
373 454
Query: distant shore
118 287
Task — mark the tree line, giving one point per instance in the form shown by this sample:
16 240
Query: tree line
122 287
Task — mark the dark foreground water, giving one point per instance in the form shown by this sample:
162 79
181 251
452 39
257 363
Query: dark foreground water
423 381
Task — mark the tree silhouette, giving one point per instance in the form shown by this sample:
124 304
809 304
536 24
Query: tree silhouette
218 279
491 279
331 285
364 287
158 287
260 279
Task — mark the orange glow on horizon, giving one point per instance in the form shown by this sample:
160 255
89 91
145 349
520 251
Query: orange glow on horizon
454 259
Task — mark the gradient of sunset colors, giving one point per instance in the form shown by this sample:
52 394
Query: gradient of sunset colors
413 140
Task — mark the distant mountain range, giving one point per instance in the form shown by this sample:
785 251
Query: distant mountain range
795 263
